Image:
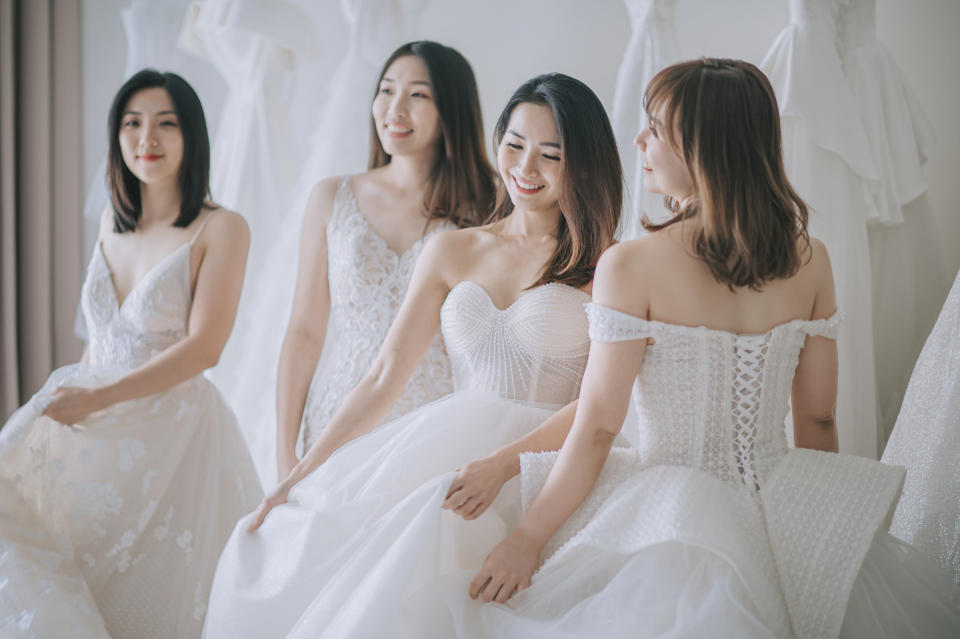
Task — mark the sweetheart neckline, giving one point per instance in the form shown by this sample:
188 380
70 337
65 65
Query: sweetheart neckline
522 295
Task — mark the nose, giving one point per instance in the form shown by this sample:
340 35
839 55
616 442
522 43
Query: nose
398 105
641 140
528 163
148 136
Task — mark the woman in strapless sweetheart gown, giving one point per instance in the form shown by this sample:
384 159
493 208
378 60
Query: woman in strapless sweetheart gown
711 525
357 524
122 477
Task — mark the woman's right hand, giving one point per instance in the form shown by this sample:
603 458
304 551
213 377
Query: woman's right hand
276 498
476 485
285 463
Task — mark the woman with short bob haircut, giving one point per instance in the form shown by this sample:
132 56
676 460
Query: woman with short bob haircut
123 475
714 325
364 525
362 235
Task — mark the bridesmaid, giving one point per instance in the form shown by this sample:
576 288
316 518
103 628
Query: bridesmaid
362 235
121 479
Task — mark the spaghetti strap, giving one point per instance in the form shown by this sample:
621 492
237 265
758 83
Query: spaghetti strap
200 228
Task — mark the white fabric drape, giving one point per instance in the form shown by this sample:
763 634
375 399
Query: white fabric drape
653 45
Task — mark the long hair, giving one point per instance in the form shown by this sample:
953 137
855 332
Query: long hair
193 176
591 182
749 226
462 185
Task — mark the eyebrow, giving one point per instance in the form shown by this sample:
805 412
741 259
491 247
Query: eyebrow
424 82
167 112
517 135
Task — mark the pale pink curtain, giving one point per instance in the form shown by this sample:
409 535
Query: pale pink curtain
40 192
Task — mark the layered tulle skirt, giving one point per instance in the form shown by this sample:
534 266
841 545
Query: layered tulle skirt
115 525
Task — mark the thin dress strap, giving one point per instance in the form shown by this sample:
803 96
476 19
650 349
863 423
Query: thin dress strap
200 228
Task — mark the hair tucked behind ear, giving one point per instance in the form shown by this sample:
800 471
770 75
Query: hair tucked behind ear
749 225
591 177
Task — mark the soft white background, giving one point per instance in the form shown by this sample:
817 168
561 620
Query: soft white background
508 41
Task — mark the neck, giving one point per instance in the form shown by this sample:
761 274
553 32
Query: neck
159 203
410 170
530 223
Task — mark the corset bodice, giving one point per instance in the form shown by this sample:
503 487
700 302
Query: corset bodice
534 350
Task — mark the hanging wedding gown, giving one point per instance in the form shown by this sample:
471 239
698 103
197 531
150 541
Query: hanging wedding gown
712 524
653 45
829 161
368 281
908 278
125 514
926 440
345 538
338 145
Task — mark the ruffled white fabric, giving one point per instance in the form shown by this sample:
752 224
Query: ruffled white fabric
653 45
367 526
926 440
829 161
116 525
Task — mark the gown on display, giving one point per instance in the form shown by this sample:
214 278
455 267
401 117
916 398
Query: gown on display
830 163
116 525
653 45
926 441
345 538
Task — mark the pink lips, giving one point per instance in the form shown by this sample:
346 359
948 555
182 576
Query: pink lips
523 190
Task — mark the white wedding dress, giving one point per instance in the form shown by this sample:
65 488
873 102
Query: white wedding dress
116 525
367 524
368 281
926 440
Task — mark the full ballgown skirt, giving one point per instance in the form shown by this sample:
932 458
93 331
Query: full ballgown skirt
653 45
345 536
926 440
338 145
125 515
829 161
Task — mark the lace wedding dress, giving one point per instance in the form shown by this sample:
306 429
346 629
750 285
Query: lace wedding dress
367 525
368 281
711 521
116 525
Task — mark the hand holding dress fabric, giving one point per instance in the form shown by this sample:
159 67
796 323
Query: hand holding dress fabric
476 485
70 405
508 569
276 497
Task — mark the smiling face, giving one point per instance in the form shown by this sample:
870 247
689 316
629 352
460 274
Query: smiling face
664 170
404 112
150 138
530 158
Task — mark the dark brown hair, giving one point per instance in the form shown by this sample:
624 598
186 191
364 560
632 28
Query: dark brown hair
591 183
462 181
749 225
194 174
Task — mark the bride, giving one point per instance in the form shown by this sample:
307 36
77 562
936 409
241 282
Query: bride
714 320
121 478
508 298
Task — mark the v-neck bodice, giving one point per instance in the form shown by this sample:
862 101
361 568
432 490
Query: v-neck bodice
153 315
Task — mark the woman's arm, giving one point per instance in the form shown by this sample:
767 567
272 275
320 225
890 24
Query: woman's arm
604 401
814 395
407 341
478 483
307 331
219 280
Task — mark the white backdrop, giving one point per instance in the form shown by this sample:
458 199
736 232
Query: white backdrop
508 41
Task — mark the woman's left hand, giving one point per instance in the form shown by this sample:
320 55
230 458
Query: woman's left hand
508 569
71 404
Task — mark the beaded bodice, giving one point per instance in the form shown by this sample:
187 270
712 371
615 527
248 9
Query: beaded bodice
712 399
368 281
534 350
153 316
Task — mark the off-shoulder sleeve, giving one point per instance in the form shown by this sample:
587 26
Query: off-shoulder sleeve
829 327
609 325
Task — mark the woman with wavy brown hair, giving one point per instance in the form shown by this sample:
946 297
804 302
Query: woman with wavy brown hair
710 325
